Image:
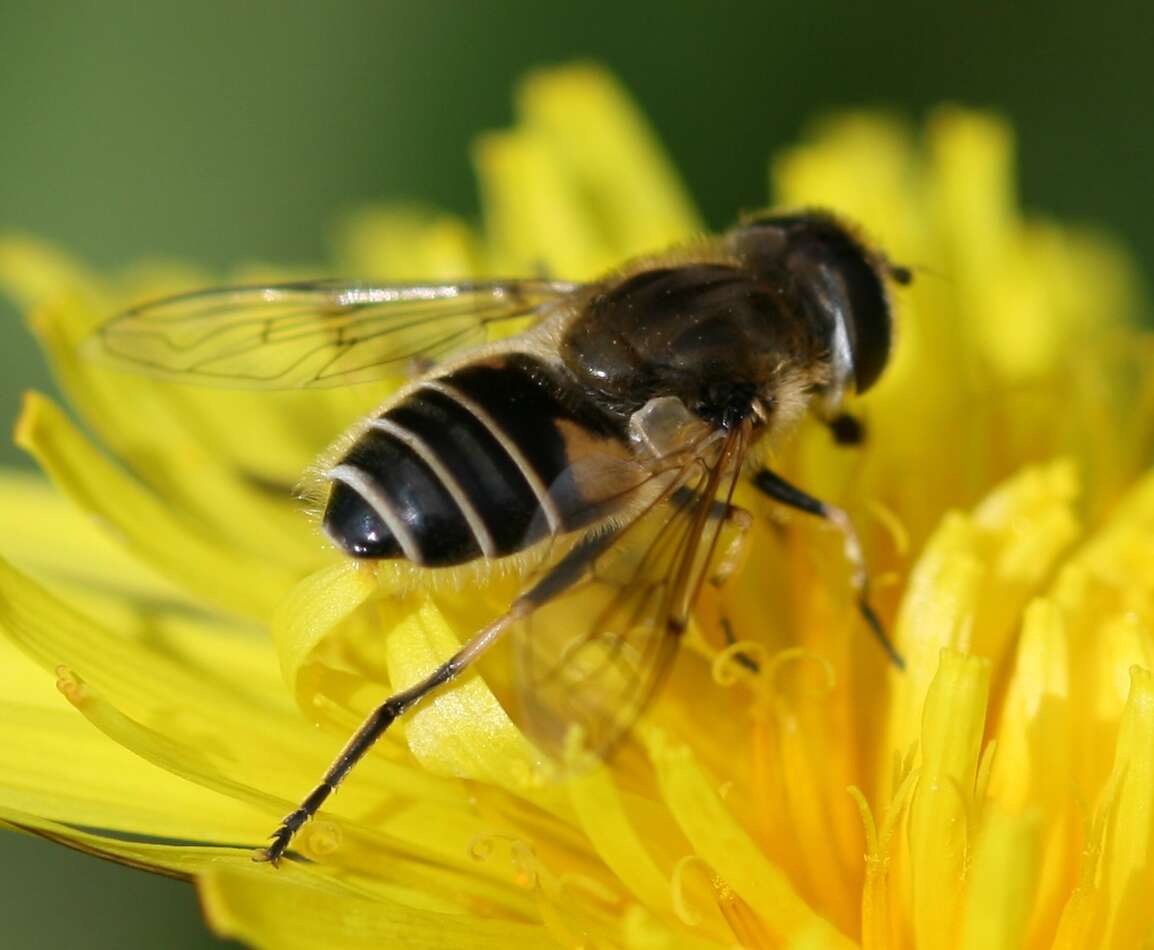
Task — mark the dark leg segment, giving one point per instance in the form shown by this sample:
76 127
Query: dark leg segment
380 720
559 578
847 429
742 521
730 639
782 491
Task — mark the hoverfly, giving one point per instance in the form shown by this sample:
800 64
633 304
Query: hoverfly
608 435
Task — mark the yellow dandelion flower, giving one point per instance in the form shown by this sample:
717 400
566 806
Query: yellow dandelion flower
998 793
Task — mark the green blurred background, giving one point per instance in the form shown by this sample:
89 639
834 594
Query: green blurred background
222 132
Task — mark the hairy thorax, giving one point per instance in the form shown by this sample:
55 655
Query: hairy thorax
710 334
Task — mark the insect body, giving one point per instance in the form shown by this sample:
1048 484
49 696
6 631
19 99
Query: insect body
601 445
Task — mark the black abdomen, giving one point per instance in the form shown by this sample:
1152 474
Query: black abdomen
466 466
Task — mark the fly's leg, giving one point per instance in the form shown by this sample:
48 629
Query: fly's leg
731 559
378 721
740 519
846 429
782 491
556 580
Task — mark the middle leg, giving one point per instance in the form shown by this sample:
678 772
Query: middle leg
782 491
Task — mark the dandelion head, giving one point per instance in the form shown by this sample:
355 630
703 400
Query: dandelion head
183 653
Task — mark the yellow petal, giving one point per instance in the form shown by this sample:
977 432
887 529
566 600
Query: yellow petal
193 444
79 553
972 185
57 766
817 767
1032 770
600 139
579 184
53 634
387 243
340 845
185 860
172 751
143 682
213 734
265 912
463 730
952 725
535 215
1002 882
972 582
33 271
1026 524
176 860
1124 882
85 567
160 536
937 611
1026 286
600 811
212 742
1106 591
880 913
307 616
721 841
1033 731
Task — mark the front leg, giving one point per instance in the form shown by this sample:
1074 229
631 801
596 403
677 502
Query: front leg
723 514
731 559
782 491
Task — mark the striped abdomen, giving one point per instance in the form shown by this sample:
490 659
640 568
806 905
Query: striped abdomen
467 466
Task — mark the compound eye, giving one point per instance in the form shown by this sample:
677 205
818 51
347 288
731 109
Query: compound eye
868 319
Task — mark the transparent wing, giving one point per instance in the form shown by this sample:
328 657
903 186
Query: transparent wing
593 654
316 334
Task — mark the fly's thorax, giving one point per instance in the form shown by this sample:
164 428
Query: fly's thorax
480 462
709 334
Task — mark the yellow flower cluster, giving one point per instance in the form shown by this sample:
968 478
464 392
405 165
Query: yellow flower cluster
999 793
